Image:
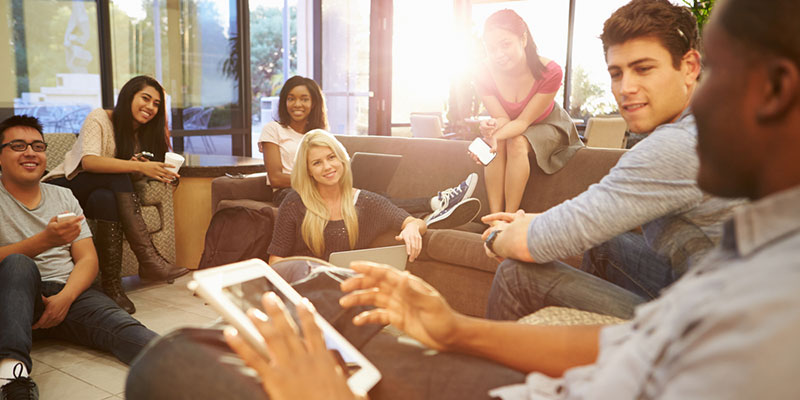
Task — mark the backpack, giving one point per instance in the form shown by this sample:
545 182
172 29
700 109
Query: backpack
237 234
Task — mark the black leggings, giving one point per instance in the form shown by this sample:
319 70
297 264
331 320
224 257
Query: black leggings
95 192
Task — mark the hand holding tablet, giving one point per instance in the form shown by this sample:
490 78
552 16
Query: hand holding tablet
238 288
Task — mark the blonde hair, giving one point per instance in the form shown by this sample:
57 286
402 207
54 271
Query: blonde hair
317 214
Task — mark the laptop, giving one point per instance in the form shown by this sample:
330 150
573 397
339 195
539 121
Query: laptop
374 171
394 256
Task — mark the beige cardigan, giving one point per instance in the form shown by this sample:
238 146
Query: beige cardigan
96 138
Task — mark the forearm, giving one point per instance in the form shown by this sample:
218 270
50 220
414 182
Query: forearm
109 165
279 180
81 278
550 350
31 247
511 129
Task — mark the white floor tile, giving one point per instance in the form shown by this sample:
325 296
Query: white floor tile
105 373
56 385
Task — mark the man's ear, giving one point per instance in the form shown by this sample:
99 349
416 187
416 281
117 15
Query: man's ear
690 64
781 88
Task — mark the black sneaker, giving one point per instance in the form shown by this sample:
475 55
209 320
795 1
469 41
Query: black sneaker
20 388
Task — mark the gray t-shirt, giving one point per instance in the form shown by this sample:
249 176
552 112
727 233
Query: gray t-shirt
653 185
20 223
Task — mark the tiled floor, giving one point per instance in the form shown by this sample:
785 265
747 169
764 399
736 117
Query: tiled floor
65 371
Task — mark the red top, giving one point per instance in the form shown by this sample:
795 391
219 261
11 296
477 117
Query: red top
550 82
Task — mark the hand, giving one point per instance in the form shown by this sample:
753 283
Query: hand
64 232
403 300
488 127
55 310
410 235
157 170
298 368
500 219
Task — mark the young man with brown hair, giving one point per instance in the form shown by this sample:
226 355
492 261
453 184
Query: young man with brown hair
651 49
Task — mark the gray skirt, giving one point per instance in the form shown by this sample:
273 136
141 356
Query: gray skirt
554 140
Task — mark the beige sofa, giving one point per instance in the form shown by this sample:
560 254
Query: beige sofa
453 261
157 206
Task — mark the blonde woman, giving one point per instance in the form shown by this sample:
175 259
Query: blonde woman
325 214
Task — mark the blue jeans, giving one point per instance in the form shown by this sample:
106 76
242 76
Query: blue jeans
93 319
615 277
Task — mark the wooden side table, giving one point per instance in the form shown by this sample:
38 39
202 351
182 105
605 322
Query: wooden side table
192 200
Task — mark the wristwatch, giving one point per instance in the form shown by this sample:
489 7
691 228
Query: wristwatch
489 242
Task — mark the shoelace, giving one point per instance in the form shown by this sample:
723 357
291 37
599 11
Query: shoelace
450 193
21 387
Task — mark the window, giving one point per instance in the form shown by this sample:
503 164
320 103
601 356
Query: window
193 48
54 66
591 86
346 64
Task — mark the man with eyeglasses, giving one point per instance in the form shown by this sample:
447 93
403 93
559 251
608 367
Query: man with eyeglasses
47 264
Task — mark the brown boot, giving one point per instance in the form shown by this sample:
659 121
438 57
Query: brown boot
152 266
108 242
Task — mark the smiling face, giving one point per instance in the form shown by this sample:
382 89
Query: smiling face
649 90
299 103
324 167
145 105
22 168
506 50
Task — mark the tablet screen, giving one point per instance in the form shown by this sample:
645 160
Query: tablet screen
247 295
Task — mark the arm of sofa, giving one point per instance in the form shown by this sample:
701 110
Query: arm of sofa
251 187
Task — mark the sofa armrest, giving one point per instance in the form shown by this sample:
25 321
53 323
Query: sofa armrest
251 187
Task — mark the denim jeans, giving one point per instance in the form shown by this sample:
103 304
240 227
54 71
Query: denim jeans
93 319
615 277
197 364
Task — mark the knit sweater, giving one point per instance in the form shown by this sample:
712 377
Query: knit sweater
375 216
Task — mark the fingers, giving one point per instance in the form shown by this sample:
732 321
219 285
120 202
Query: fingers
279 330
500 216
248 354
371 274
315 342
374 316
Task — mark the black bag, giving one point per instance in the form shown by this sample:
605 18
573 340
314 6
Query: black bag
237 234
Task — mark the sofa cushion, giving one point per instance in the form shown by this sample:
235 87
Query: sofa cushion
459 248
248 203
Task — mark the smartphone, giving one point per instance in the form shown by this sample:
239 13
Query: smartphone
145 154
482 150
63 216
234 288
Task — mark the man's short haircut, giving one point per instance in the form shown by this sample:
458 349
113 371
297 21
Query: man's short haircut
674 26
769 26
20 120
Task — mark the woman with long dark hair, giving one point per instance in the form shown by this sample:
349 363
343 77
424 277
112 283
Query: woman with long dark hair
517 87
100 169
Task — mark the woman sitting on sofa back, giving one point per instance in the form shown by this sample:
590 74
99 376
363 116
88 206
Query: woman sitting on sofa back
325 214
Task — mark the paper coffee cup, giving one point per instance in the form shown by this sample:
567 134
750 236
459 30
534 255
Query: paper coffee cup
175 161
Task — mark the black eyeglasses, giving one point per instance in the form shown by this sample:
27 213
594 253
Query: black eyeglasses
21 145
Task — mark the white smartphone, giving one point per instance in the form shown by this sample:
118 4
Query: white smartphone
63 216
234 288
482 150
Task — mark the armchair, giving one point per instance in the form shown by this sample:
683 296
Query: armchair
156 200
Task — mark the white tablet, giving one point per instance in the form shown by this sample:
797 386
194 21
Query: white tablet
234 288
